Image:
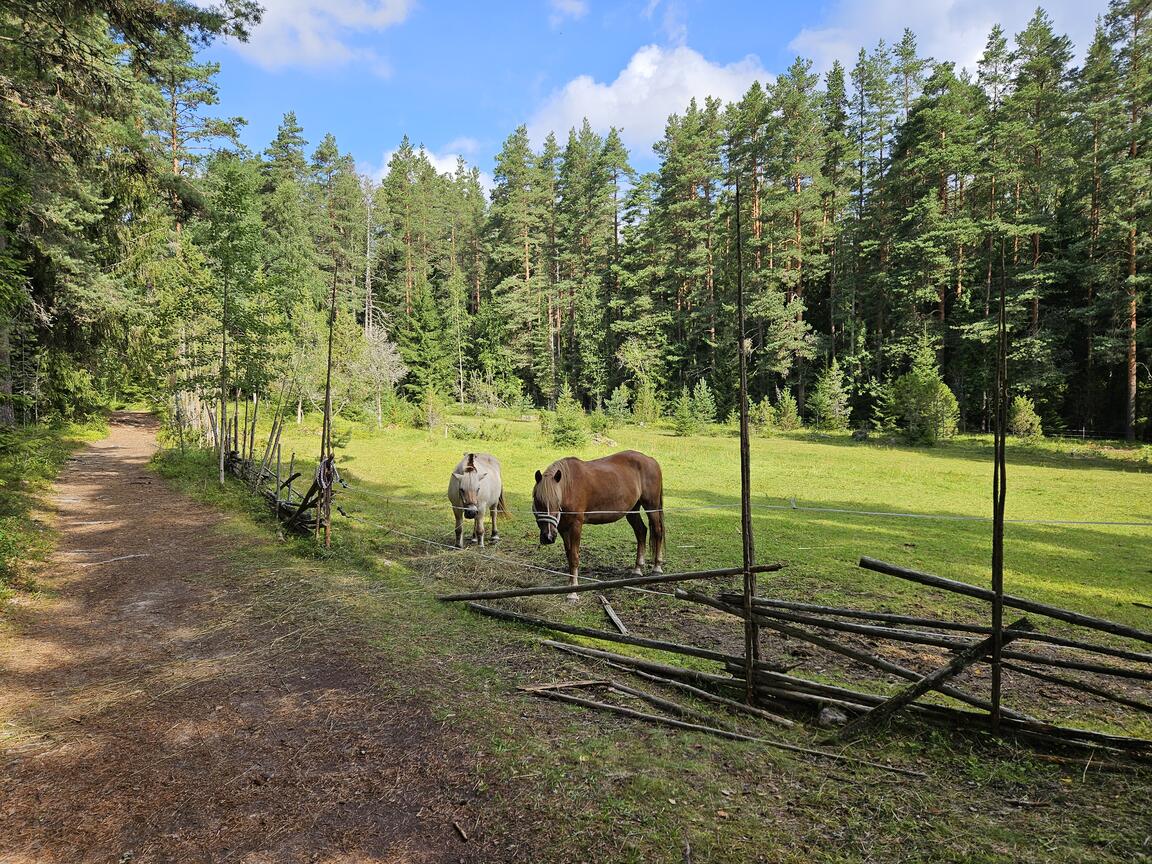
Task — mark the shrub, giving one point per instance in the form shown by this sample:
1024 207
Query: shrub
829 400
762 416
433 410
885 417
703 403
787 415
925 405
1023 421
599 422
398 411
617 405
684 419
570 428
646 407
547 421
481 432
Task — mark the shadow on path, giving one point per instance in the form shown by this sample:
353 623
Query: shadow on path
163 702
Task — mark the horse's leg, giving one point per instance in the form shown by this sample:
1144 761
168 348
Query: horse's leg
495 531
656 524
459 527
572 550
638 527
478 527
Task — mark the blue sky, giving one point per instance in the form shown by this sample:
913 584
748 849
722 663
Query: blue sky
458 77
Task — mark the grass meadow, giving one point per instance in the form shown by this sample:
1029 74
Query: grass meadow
563 784
398 477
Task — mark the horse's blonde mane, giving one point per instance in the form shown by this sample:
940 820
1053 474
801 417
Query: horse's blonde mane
548 493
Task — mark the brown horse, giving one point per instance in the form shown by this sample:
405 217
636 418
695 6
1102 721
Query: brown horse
571 493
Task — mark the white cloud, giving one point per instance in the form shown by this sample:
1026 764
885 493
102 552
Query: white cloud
563 10
444 162
464 145
674 21
954 30
321 33
657 82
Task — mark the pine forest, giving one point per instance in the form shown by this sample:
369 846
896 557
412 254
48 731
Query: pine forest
145 254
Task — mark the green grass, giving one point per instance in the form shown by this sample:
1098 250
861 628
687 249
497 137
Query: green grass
30 458
565 784
1095 569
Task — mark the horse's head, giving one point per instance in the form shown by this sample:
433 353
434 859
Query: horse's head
469 483
546 505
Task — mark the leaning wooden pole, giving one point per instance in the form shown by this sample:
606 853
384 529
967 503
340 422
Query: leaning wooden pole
999 489
751 629
1010 600
932 681
605 584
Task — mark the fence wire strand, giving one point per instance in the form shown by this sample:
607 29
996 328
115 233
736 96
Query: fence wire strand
794 506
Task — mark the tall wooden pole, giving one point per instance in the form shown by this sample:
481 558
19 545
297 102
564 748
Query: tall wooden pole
751 628
223 419
325 505
999 488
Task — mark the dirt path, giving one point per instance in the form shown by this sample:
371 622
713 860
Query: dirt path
154 707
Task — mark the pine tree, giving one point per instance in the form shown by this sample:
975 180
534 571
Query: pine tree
684 216
908 70
836 186
423 348
1130 204
513 239
828 404
703 402
1035 127
684 419
1094 136
232 240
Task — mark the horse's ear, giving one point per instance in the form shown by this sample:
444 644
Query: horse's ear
539 476
556 476
457 475
471 459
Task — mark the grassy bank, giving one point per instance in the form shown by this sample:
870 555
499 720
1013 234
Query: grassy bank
30 458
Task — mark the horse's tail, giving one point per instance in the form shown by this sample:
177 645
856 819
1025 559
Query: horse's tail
501 507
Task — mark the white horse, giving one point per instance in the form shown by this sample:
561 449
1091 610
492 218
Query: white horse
476 487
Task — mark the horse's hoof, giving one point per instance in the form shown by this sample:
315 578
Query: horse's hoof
573 597
637 571
495 538
657 570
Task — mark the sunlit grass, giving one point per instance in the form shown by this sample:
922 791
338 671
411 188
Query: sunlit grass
606 789
399 477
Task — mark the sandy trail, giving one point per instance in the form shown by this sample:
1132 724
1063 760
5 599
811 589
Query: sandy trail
160 703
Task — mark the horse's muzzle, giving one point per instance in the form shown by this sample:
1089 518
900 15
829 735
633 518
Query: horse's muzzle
470 512
547 535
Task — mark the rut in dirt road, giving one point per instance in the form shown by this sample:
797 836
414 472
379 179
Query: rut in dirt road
160 705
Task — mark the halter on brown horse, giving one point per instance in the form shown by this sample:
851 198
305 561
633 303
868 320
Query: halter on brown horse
571 493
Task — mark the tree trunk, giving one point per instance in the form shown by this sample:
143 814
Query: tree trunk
369 311
7 411
1130 416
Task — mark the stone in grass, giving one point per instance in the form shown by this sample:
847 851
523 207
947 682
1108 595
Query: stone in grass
831 718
